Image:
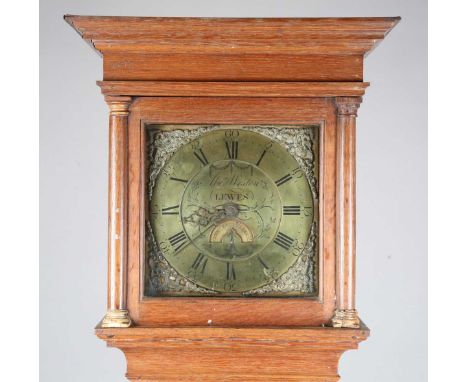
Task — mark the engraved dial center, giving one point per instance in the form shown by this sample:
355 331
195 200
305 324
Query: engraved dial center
231 210
240 208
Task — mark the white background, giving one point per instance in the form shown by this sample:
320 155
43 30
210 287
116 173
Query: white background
392 183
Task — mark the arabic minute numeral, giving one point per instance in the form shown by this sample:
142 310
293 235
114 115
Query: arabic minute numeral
297 249
298 173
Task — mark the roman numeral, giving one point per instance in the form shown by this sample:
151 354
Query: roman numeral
283 180
174 210
230 272
291 210
262 262
232 149
200 263
261 157
201 156
283 241
179 180
178 240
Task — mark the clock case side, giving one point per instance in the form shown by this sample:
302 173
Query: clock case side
230 311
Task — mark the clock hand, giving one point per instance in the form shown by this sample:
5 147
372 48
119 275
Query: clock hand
229 209
204 231
191 241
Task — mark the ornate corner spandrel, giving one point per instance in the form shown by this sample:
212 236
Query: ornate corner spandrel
346 318
116 318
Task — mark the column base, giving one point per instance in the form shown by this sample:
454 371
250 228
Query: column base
116 318
346 318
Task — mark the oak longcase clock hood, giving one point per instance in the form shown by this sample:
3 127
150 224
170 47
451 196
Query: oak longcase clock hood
232 193
147 48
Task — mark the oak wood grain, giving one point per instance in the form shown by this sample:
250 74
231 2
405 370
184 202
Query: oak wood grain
215 49
231 67
233 354
346 201
354 35
166 311
232 89
117 202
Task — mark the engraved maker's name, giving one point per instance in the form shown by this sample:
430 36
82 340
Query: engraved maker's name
237 181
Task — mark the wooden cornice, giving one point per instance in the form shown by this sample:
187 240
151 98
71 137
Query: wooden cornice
232 89
355 36
232 50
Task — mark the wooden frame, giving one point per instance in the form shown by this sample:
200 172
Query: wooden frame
231 311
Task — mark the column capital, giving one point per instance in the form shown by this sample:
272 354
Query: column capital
348 105
118 105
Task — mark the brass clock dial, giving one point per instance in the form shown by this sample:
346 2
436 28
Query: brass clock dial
232 210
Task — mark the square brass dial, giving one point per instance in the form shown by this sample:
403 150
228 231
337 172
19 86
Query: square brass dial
232 210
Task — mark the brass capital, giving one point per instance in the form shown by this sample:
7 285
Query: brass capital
116 318
348 105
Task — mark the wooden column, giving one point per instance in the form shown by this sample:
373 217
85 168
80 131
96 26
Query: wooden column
346 314
117 314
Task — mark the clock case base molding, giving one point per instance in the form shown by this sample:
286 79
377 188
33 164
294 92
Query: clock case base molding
233 354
